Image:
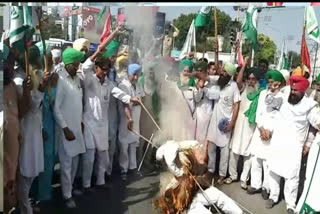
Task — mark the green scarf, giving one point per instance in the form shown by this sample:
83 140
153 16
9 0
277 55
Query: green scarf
251 112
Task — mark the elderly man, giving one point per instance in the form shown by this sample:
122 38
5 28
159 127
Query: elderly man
129 140
265 113
244 127
68 111
289 134
223 119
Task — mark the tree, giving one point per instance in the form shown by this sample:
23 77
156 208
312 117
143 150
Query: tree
225 24
294 59
51 30
266 49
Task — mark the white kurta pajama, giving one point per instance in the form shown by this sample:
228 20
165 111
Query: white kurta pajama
241 140
31 157
128 140
96 124
223 108
68 113
289 135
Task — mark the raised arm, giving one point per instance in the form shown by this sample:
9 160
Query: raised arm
241 73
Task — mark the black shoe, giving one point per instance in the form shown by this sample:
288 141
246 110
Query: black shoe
87 191
270 203
124 176
290 211
265 194
70 203
252 191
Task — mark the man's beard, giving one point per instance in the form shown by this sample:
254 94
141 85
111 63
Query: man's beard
223 81
293 99
252 89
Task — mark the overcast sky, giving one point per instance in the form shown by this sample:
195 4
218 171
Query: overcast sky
277 23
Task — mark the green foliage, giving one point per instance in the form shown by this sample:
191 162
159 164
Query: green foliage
225 23
266 49
294 57
51 30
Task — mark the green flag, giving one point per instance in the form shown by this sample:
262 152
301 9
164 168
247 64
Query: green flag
202 18
21 28
101 13
312 24
249 27
112 49
283 61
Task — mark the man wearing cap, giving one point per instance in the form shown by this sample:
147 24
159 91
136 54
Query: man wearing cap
226 108
266 111
128 141
68 111
244 127
56 58
289 132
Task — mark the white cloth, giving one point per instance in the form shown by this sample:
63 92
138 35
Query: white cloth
233 165
290 189
221 200
24 186
127 156
223 108
56 53
96 107
310 194
224 157
243 130
126 136
204 106
68 167
68 112
289 135
31 156
257 165
87 160
80 43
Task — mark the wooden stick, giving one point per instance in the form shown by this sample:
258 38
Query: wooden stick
149 114
46 67
216 57
26 56
144 138
145 153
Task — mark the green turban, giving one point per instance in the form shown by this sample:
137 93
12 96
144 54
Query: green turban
230 68
39 45
318 79
71 55
201 65
112 49
275 76
184 63
34 54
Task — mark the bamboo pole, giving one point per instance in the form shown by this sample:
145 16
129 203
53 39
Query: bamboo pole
144 138
145 153
315 62
39 14
149 114
216 57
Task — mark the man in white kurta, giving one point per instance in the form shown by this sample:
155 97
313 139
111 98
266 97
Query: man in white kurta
289 135
128 141
68 111
265 114
225 108
243 130
98 89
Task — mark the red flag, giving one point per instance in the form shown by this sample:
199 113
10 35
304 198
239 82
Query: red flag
304 54
315 4
274 4
106 29
121 18
240 59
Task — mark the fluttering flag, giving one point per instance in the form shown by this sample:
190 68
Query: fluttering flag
284 60
312 26
304 53
274 4
176 31
101 14
202 18
249 27
121 18
21 28
106 29
190 41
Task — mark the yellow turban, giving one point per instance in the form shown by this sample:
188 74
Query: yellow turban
298 71
80 43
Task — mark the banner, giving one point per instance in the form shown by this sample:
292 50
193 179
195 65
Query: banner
159 25
92 28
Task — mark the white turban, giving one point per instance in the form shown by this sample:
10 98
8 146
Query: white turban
80 43
56 53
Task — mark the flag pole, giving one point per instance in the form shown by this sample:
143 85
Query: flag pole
26 56
216 57
46 67
315 62
302 43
